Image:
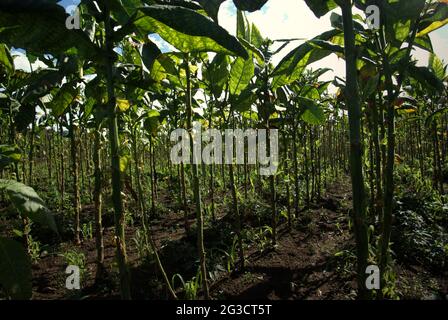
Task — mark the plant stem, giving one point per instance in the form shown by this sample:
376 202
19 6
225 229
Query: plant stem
125 285
354 115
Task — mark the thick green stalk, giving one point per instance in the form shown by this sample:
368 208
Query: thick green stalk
296 172
212 169
125 284
237 214
98 200
75 173
49 137
152 175
354 115
183 194
141 202
376 142
61 157
286 176
31 152
390 160
196 188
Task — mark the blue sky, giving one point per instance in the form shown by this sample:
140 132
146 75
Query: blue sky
66 3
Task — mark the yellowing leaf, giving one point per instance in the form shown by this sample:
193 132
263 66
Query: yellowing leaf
432 27
123 105
124 161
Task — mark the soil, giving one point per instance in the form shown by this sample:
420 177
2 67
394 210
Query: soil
306 263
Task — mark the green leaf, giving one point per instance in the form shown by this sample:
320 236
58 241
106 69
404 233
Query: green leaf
402 30
242 26
245 100
15 270
251 48
152 121
321 7
337 23
9 154
187 30
28 203
40 26
436 19
400 10
241 73
397 15
217 74
124 162
424 42
122 10
310 92
150 53
326 45
25 116
313 113
292 65
256 37
426 77
435 115
249 5
6 60
40 81
63 99
211 7
370 86
123 105
436 66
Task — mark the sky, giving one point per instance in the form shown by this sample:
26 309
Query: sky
293 19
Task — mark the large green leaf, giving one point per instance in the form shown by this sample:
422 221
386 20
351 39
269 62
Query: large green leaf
150 53
211 7
9 154
245 100
38 81
424 42
256 37
437 18
187 30
402 30
241 73
25 116
6 60
28 202
63 99
313 113
321 7
292 65
15 270
249 5
337 23
398 16
122 10
217 74
40 26
426 77
403 10
242 26
436 66
152 121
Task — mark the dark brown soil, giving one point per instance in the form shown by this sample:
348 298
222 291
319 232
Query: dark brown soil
305 263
